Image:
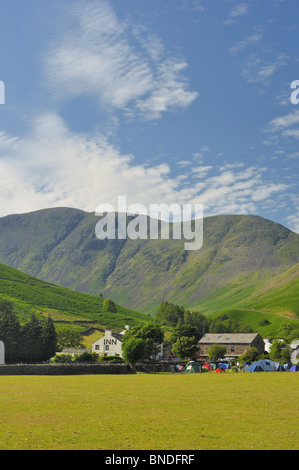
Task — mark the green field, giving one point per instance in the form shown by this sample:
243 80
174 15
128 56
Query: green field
244 411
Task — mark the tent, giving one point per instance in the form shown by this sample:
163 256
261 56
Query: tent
179 367
223 365
246 365
219 370
294 368
207 367
287 366
191 367
265 365
170 368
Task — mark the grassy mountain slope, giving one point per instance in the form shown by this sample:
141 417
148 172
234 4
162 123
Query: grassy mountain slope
240 258
30 295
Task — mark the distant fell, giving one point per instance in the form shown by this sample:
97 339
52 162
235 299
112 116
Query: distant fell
240 257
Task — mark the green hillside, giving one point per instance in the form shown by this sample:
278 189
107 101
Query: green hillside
30 295
236 268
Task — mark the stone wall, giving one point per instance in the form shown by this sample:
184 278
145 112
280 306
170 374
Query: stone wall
64 369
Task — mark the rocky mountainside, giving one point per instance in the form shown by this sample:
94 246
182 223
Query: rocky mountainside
240 256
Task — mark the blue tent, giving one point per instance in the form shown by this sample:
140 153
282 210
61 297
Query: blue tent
294 369
265 365
223 365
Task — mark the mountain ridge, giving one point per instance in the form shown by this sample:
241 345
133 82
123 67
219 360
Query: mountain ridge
240 254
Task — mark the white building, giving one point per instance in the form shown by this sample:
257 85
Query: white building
110 343
2 353
268 345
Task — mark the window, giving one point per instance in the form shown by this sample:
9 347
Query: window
107 347
97 347
232 348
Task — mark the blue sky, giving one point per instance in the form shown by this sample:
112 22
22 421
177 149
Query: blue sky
173 101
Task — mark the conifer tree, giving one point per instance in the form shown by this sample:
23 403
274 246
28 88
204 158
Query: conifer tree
49 339
10 332
32 340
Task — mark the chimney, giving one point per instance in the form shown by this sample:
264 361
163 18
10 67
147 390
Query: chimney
108 332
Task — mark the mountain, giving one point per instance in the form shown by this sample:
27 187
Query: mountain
245 262
33 296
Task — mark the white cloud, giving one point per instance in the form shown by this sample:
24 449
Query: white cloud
284 122
253 39
283 126
258 70
238 10
105 58
54 167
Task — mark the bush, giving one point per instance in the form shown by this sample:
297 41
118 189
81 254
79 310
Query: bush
62 358
216 351
249 355
110 359
109 306
86 357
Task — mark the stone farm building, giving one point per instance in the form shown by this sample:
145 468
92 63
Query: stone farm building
236 343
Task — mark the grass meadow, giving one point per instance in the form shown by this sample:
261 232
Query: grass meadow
243 411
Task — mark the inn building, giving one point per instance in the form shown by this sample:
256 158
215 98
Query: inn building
110 343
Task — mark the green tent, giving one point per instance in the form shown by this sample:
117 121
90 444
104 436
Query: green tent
191 367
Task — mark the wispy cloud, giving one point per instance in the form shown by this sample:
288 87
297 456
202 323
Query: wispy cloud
194 5
238 10
259 70
251 40
284 125
99 56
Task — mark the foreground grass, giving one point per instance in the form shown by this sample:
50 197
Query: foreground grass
153 412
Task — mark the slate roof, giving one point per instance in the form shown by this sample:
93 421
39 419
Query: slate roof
228 338
117 336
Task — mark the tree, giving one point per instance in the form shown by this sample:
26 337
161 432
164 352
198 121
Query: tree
31 342
188 331
134 349
286 332
68 337
280 351
109 306
198 320
216 351
152 335
249 355
49 339
169 314
185 347
31 333
10 332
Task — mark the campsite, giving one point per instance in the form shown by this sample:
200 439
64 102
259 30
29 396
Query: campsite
264 365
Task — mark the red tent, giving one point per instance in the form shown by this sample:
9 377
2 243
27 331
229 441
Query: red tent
208 367
220 370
